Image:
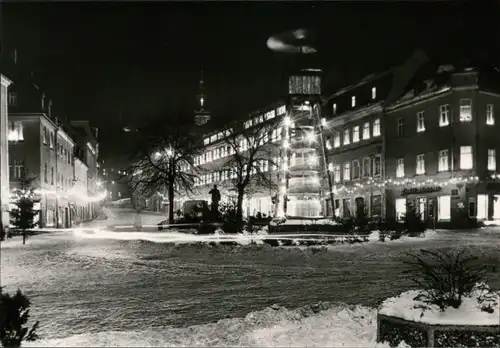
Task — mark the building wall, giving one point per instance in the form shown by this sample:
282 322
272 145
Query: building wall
4 153
80 212
65 183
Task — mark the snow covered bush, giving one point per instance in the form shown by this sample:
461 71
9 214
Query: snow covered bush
14 315
445 277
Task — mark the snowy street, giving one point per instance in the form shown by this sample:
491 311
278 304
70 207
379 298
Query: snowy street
119 290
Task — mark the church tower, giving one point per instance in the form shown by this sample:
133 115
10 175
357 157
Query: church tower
202 116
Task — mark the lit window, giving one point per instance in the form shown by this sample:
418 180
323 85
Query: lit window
336 139
366 130
444 115
347 139
355 134
492 159
465 157
17 169
16 131
490 116
400 208
465 110
401 127
347 171
400 168
420 164
366 166
443 161
377 165
12 98
336 173
374 92
328 143
353 101
376 127
334 108
444 208
482 207
356 170
420 121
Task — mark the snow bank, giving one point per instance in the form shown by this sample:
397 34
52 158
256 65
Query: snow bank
321 325
406 307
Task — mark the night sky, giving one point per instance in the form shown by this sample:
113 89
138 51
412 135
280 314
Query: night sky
121 60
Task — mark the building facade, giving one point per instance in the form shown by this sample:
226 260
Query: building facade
4 153
424 140
81 212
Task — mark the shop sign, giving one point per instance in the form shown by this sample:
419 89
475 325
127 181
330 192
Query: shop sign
417 190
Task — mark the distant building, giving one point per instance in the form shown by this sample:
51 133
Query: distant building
4 153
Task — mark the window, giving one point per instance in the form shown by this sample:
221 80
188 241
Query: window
377 165
52 175
336 139
347 140
353 101
328 143
443 161
482 207
490 117
376 127
366 130
15 131
45 173
401 127
465 110
492 159
420 121
336 173
45 135
347 171
400 168
366 166
16 169
356 170
444 115
355 134
330 167
334 108
444 208
374 92
465 157
420 164
12 98
400 208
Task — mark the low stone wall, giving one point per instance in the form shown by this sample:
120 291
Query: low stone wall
394 330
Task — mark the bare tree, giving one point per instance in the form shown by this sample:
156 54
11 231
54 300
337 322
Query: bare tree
164 159
253 150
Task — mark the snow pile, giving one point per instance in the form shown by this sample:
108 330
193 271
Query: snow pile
406 306
374 236
321 325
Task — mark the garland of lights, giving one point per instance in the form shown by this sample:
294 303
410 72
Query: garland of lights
72 193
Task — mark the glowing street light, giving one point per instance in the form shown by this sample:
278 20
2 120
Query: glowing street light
311 137
286 121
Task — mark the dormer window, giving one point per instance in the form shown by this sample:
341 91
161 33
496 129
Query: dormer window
374 92
12 98
43 102
353 101
334 108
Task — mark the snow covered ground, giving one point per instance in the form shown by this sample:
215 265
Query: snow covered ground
139 289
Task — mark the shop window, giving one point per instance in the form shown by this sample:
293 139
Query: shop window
444 208
482 207
400 208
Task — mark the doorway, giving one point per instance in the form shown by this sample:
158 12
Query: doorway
422 207
66 218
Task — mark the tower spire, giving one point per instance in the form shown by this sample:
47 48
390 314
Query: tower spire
202 116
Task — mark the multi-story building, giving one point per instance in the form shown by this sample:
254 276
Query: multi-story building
4 153
39 147
421 135
88 148
442 147
81 212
